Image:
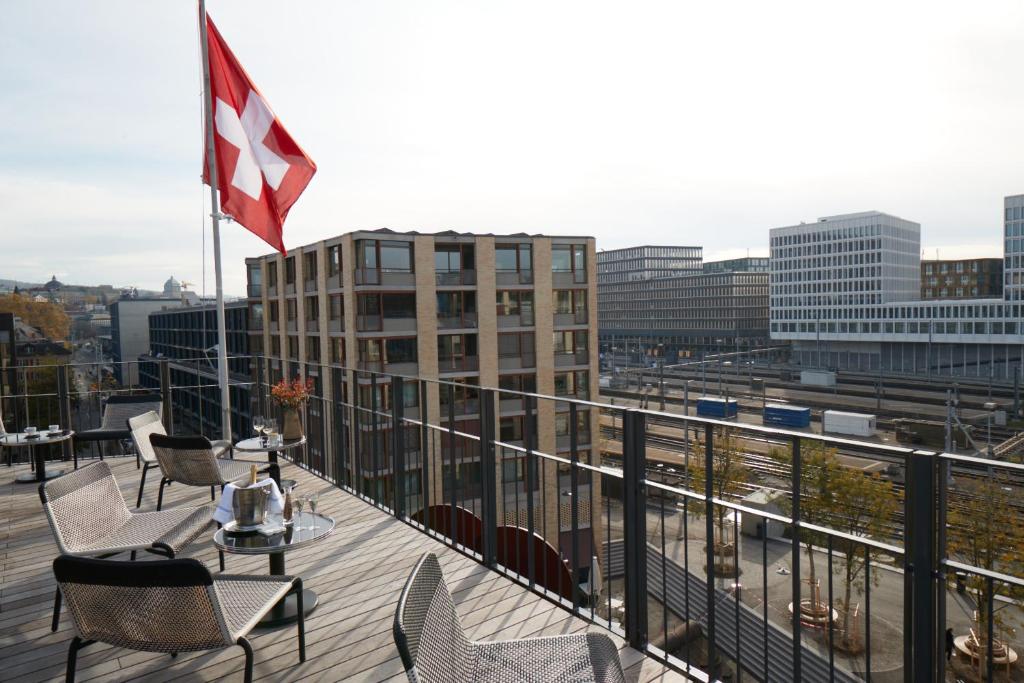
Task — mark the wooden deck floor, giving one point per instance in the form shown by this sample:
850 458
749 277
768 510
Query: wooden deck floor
358 573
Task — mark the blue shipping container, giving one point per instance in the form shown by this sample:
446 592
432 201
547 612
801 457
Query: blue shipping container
716 407
786 416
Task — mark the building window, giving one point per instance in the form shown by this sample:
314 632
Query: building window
272 274
309 266
312 308
313 349
337 307
292 308
570 258
516 302
289 270
338 351
333 260
513 258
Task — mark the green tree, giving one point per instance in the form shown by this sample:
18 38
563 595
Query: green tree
862 506
819 472
728 475
985 530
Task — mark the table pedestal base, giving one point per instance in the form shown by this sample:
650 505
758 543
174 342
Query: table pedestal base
287 612
32 478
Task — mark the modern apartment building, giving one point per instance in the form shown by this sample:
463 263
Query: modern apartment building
187 338
845 291
508 311
962 278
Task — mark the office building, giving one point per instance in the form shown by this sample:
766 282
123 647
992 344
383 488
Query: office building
1013 244
129 335
845 292
746 264
507 311
962 278
664 301
647 262
186 337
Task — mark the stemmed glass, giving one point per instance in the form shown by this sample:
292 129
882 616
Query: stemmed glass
257 425
297 504
270 428
314 501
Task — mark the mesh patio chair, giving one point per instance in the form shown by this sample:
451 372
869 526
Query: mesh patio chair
190 460
114 423
167 606
434 648
150 423
89 518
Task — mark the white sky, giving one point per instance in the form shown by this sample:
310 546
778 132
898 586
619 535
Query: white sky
641 122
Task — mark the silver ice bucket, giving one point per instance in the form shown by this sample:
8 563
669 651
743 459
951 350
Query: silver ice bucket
250 506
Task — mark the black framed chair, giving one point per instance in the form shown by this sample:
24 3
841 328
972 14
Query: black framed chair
114 423
434 647
168 606
142 426
191 460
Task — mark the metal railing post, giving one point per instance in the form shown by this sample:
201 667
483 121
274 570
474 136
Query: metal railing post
398 445
165 396
531 478
919 599
795 568
64 406
488 479
709 533
634 526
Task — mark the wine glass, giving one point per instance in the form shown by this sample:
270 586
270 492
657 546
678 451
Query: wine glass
257 425
270 428
314 501
298 502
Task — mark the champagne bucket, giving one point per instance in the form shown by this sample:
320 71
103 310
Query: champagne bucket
250 506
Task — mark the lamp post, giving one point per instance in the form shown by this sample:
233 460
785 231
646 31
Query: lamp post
990 407
661 375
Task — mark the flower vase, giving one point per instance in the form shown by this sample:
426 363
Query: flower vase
292 428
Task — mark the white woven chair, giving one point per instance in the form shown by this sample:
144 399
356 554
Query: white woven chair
434 648
89 518
167 606
190 460
150 423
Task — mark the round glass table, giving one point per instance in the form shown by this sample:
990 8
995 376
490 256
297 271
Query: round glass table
312 528
22 440
259 444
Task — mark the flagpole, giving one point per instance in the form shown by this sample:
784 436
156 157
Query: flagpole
222 346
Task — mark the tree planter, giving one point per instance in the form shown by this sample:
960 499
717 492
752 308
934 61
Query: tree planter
292 428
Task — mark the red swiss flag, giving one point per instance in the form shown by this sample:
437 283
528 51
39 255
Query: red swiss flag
261 170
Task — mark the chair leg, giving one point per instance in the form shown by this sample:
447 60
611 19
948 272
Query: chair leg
213 494
248 658
76 644
56 610
74 453
160 497
302 619
133 556
142 484
221 554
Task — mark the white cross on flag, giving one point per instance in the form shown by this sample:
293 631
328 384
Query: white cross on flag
261 170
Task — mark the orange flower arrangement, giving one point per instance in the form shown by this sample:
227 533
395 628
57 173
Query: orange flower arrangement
292 394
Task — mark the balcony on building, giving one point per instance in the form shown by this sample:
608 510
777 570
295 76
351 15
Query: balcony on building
516 351
384 263
513 264
454 265
456 310
457 353
394 355
514 308
386 313
568 265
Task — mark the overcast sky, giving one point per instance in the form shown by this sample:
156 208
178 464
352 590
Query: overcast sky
640 122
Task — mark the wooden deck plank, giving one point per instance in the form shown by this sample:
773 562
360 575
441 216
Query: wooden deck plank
358 573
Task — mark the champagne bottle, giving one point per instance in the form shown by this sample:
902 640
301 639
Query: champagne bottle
252 475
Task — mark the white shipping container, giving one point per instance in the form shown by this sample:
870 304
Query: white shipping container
818 378
852 424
